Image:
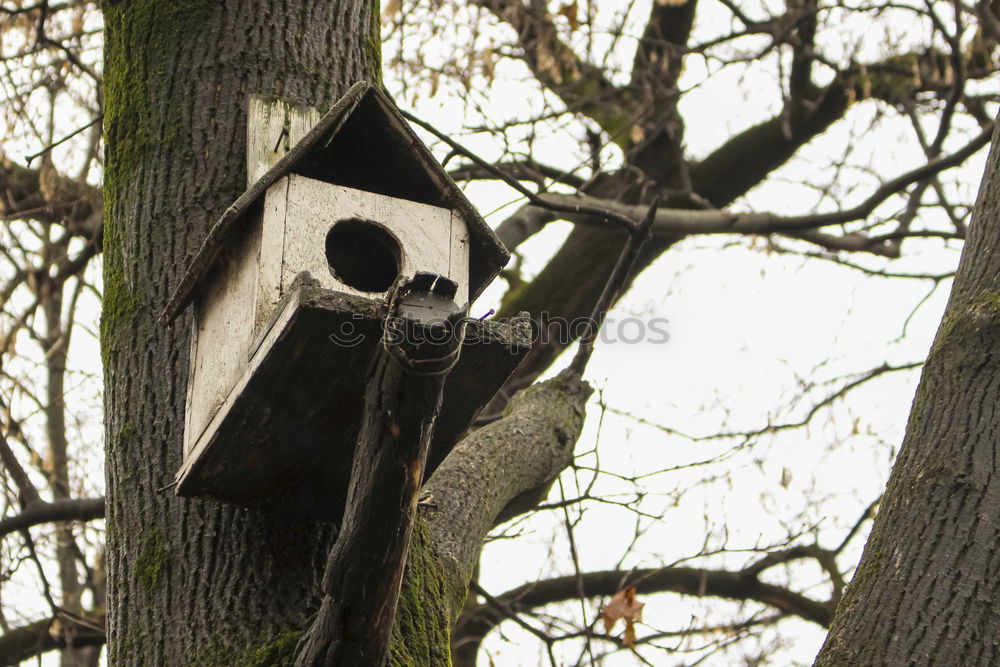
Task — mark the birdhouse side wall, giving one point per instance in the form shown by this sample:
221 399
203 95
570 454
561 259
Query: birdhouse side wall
299 212
272 253
222 332
459 256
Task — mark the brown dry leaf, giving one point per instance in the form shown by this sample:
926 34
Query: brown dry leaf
547 63
392 8
489 63
624 606
78 21
570 12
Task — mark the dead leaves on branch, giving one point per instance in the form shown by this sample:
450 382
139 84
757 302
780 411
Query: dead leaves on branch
570 11
624 606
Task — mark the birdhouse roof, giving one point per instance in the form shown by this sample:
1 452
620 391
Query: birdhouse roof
362 142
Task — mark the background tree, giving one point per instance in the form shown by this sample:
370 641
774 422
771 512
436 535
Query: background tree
626 88
932 544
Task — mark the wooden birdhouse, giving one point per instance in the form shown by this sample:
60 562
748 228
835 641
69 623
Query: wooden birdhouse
288 296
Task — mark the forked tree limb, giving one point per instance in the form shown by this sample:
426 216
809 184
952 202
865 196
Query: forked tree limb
365 568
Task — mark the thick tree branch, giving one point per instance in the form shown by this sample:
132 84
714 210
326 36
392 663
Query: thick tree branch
496 471
689 581
26 491
504 468
30 641
658 54
803 15
76 509
737 166
748 158
49 197
656 130
523 224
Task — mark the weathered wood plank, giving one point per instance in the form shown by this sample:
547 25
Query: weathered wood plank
229 224
222 334
373 149
274 125
272 253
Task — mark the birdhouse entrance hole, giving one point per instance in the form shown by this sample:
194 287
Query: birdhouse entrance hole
362 255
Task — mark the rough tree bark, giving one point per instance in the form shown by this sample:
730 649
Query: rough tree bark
926 590
190 582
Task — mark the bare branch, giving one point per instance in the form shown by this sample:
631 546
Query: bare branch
26 490
526 170
671 222
29 641
49 197
582 86
738 586
76 509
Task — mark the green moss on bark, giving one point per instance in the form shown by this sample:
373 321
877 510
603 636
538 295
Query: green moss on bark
122 304
151 561
429 603
278 651
134 71
135 128
375 43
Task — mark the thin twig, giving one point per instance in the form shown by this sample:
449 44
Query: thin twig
612 288
869 513
27 491
510 614
580 592
95 121
621 220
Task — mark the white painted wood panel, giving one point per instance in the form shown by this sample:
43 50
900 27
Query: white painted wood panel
224 327
427 236
458 259
196 442
272 251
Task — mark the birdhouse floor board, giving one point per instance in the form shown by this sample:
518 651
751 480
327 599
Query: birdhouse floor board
285 436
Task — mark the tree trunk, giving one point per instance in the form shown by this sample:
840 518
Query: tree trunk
926 590
192 582
199 582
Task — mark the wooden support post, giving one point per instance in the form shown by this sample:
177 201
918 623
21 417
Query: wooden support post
421 343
